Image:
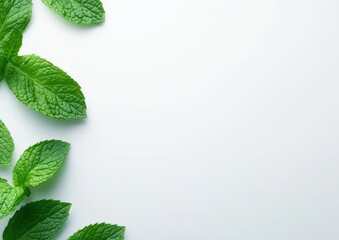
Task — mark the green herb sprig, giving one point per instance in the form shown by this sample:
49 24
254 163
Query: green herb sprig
36 165
46 89
35 81
41 219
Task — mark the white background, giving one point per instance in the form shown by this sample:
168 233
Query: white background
207 119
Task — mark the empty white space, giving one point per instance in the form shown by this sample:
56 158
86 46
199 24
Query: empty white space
207 119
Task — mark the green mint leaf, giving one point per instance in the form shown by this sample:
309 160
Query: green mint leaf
11 44
14 14
39 163
37 220
6 146
45 88
10 198
78 11
101 231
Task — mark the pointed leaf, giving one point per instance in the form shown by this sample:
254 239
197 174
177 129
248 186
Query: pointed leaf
39 163
37 220
45 88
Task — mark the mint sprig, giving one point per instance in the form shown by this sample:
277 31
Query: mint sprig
36 165
78 11
42 219
35 81
47 89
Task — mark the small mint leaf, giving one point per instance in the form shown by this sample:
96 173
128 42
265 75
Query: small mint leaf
39 163
79 12
45 88
100 231
37 220
14 14
10 198
6 146
11 44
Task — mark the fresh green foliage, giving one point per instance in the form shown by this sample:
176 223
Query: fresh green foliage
37 220
39 163
10 197
6 146
45 88
101 231
36 165
17 13
35 81
14 14
11 44
43 219
78 11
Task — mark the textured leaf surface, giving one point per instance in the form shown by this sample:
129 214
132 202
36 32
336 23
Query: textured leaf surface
37 221
78 11
11 44
39 163
6 146
45 88
14 14
10 197
101 231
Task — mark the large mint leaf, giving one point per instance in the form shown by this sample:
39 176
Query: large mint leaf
39 163
10 197
6 146
101 231
11 44
39 220
45 88
78 11
14 14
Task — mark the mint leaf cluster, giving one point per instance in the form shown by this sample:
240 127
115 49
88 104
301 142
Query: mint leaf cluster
35 81
84 12
47 89
36 165
41 219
